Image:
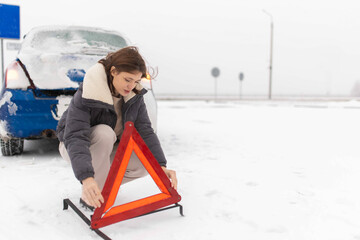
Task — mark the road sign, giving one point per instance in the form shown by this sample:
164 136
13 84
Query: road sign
9 27
9 21
215 72
241 76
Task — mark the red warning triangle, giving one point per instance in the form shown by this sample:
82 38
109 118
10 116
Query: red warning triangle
108 214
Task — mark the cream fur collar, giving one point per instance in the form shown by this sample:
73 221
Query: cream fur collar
95 86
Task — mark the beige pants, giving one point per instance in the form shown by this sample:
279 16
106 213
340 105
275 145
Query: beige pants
103 149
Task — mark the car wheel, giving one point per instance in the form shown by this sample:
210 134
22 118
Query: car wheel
12 146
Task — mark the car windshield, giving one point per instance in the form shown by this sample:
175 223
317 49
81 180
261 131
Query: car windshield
77 41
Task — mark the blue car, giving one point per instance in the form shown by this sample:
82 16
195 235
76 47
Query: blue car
40 83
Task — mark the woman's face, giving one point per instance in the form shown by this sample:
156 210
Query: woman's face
125 82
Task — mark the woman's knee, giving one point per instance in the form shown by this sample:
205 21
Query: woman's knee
102 134
132 174
135 168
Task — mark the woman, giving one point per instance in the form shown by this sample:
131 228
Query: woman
109 96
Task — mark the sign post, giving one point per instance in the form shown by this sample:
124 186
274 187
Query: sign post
9 27
241 78
215 72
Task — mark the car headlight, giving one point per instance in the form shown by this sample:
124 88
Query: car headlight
146 82
15 77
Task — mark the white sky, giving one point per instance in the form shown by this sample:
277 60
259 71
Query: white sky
316 42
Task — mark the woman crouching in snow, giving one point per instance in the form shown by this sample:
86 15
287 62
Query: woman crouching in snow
109 96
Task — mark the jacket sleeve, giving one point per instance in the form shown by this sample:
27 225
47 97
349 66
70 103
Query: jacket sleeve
77 138
143 126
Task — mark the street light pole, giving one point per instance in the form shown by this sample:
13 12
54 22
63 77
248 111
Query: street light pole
271 50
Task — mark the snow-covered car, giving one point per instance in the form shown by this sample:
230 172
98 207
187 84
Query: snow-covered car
40 83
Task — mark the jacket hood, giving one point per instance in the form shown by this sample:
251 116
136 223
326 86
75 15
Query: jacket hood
95 86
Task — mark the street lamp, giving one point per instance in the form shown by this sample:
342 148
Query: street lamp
271 49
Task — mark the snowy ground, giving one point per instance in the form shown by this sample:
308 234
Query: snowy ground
250 170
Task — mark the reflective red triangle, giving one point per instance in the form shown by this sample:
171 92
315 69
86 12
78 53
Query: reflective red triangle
108 214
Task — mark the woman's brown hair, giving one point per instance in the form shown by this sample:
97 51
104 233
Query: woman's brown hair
127 59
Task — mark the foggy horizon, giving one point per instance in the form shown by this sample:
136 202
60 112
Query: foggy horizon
315 51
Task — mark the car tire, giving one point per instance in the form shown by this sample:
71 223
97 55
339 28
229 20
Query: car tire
12 146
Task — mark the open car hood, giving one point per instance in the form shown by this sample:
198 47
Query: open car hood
53 71
53 55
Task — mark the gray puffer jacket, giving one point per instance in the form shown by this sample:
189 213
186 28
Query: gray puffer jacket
91 105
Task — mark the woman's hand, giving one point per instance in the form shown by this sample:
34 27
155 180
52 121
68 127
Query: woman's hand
172 176
92 192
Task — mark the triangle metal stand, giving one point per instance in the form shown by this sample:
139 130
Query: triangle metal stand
68 203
